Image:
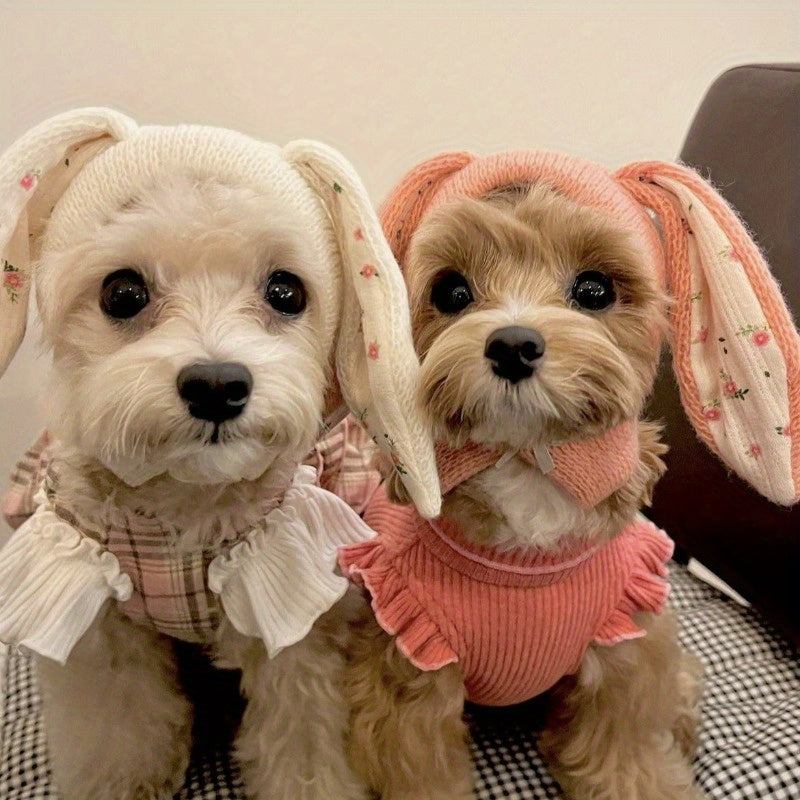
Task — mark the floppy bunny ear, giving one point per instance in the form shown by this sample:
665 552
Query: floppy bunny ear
34 172
736 350
375 360
404 207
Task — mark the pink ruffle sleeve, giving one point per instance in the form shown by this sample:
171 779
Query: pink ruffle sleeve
399 600
646 589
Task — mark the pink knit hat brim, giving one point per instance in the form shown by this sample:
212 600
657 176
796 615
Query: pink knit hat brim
450 176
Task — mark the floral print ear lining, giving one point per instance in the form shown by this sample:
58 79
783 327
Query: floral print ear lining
383 340
12 281
743 374
385 442
755 335
13 277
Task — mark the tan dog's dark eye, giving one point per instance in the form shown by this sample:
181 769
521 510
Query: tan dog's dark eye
593 290
124 294
450 292
285 293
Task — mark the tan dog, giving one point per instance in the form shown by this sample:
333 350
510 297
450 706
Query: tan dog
538 314
197 289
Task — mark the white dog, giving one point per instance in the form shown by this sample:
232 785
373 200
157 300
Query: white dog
198 290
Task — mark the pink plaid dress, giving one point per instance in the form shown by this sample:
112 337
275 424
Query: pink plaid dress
272 581
169 587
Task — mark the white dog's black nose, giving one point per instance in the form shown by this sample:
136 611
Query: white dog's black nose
514 351
215 392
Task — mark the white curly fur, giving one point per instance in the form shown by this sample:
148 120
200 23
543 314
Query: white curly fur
117 721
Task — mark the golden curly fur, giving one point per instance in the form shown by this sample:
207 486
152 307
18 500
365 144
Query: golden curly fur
622 727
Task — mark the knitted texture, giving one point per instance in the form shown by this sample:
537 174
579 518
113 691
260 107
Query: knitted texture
409 201
22 168
514 621
61 180
736 349
734 342
588 469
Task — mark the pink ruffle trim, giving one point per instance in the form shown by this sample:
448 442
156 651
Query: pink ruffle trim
646 589
418 637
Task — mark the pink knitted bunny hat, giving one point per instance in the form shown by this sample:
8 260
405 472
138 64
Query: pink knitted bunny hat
736 350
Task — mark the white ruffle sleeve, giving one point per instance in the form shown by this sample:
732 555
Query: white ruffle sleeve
277 582
53 581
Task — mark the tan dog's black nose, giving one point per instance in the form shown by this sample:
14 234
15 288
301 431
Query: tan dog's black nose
514 351
216 392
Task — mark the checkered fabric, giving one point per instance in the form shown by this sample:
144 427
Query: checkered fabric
750 738
170 590
170 587
346 462
24 770
25 481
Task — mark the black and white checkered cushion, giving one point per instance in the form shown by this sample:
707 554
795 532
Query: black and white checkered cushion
750 735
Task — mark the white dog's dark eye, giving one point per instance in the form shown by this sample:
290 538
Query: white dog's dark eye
285 293
450 292
124 294
593 290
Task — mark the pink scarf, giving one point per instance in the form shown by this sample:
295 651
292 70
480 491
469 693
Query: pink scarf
588 469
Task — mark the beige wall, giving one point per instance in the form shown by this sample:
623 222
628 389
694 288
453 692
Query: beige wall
388 83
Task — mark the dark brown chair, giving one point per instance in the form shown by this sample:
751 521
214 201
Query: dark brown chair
746 139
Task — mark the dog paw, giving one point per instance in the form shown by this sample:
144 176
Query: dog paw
429 793
167 782
687 722
158 779
303 790
133 764
625 790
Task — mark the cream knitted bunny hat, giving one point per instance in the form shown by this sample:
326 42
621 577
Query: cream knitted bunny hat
64 176
736 351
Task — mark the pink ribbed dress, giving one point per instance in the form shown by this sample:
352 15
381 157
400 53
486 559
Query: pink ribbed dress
515 621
